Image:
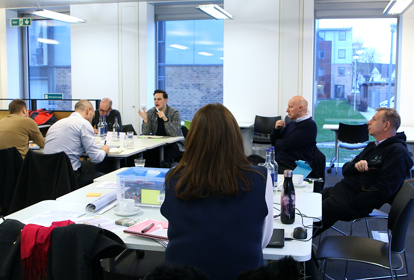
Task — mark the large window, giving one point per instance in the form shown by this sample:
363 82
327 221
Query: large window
362 64
190 63
49 62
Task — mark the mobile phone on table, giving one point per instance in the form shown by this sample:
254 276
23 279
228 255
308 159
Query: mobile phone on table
278 238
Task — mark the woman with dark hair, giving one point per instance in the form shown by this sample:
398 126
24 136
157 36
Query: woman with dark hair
219 209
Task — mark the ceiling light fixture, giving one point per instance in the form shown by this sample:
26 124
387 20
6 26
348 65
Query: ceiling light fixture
396 7
47 41
215 11
177 46
205 53
58 16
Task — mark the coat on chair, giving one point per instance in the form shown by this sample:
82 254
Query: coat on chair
42 177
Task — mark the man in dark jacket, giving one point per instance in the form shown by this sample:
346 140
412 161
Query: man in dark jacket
373 177
297 139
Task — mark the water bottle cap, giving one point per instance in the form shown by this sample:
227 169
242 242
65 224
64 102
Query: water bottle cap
288 173
267 150
272 148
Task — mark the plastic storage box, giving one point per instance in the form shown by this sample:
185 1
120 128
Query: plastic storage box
143 184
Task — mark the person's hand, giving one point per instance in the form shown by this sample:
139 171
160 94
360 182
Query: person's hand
95 130
161 115
280 124
361 166
143 115
105 148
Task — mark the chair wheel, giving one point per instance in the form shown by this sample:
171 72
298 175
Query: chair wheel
329 170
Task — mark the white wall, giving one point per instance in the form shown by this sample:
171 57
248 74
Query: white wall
406 62
95 52
111 56
280 34
250 69
10 84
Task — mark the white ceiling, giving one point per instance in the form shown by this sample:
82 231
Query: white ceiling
323 8
27 4
319 4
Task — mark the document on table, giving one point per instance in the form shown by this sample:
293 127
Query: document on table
48 217
107 185
102 204
101 222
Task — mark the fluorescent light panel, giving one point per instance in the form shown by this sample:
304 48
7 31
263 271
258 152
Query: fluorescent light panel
205 53
180 47
58 16
215 11
47 41
396 7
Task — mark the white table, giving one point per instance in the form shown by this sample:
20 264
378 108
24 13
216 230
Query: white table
307 202
141 144
111 176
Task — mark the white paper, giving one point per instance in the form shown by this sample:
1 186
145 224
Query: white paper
107 185
101 202
101 222
48 217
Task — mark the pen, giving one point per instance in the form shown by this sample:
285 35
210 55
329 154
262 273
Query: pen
147 228
105 143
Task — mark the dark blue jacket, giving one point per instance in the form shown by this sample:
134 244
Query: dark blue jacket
221 236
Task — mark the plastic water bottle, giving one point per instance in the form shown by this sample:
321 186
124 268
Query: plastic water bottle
270 168
104 128
275 165
287 200
100 125
115 130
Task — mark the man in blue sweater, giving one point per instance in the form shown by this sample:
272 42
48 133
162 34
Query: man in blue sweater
295 140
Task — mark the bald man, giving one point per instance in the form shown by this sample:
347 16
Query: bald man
105 110
74 135
297 139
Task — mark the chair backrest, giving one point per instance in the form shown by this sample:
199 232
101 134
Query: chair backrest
184 130
265 125
42 177
128 127
353 133
399 217
10 164
187 124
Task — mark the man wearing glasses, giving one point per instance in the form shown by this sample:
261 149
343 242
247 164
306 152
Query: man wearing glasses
105 110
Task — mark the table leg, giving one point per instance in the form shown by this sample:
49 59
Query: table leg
332 162
161 154
118 163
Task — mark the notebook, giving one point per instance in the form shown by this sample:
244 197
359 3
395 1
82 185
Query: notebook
158 231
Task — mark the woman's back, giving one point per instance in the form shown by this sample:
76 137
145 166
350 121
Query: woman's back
222 236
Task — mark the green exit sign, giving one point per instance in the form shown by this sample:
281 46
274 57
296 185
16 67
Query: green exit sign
21 21
53 95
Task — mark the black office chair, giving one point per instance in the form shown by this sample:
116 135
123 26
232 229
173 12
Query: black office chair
370 251
351 137
263 126
128 127
42 177
318 170
10 164
184 130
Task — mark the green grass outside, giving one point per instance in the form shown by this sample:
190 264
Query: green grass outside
333 112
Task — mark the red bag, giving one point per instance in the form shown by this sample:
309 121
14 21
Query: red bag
42 116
